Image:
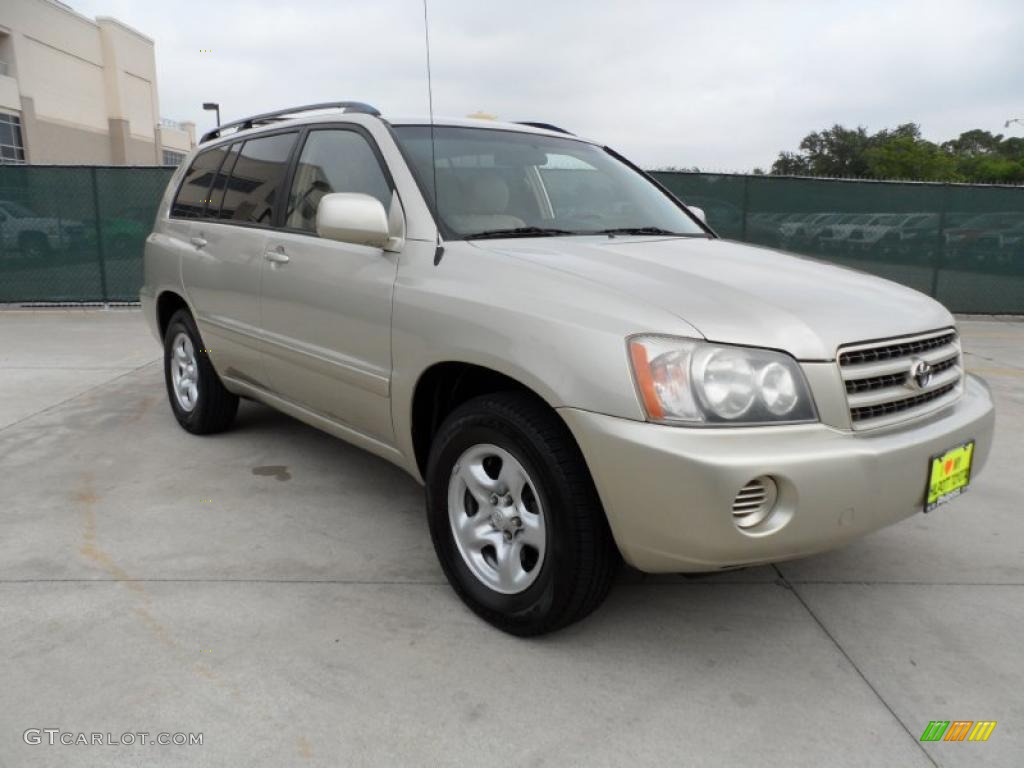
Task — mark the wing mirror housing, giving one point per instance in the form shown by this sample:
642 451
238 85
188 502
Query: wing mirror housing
352 217
699 213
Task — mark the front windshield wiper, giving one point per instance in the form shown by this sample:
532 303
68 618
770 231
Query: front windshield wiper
519 232
644 231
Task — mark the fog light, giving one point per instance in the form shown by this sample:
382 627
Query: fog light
754 503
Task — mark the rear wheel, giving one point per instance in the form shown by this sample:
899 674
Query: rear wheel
514 516
198 399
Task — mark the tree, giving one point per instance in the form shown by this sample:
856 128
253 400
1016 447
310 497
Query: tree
836 151
904 157
791 164
974 143
901 152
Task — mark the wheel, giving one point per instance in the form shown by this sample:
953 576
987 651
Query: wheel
514 517
34 245
199 400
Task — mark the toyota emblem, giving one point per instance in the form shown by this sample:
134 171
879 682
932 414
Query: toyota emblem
921 373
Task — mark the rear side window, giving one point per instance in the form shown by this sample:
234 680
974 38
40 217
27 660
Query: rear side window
194 192
333 161
220 182
255 183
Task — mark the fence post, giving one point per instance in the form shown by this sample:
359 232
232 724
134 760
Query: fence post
99 236
745 206
940 250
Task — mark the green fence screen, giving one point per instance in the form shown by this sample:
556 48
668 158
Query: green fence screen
963 244
75 233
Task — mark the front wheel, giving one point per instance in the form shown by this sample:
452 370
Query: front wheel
198 399
514 516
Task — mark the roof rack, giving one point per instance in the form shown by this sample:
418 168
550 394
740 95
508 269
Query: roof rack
270 117
545 127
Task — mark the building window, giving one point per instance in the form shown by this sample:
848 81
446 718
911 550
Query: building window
12 148
173 158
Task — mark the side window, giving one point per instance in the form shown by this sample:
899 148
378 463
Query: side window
215 208
333 161
256 178
190 202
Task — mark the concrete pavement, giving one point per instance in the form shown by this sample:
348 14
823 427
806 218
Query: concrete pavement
275 589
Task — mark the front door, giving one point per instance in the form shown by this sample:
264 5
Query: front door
326 305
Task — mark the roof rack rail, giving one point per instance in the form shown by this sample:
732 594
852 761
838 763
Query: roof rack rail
545 126
269 117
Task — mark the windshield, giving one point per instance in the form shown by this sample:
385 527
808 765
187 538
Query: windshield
493 183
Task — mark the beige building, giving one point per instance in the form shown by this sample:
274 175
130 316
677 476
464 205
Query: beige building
79 91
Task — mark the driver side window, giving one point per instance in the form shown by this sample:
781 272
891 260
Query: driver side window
333 161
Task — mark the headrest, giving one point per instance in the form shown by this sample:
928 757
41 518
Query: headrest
488 194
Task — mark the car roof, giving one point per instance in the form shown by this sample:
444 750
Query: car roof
476 122
358 118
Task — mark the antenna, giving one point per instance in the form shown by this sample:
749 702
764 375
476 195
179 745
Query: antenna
439 250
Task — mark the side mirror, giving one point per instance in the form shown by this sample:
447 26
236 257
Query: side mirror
352 217
698 212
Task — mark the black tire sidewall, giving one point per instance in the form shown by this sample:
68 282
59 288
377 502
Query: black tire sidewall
183 322
533 604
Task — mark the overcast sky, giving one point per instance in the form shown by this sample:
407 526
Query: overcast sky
722 85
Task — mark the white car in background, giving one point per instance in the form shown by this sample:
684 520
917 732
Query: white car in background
24 232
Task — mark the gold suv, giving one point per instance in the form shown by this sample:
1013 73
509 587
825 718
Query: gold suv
574 365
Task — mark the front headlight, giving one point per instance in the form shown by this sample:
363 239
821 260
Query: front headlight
684 381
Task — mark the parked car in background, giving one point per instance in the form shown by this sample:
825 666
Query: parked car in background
576 367
978 237
25 233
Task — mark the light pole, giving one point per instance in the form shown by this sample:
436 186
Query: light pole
208 105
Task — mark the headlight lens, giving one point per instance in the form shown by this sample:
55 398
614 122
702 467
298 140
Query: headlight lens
727 379
695 382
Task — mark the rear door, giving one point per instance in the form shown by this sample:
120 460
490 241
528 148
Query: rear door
222 274
327 305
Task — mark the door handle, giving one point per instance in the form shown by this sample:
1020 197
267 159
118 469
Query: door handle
198 242
277 256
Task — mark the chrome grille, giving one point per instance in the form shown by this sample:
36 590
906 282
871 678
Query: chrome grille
896 349
880 386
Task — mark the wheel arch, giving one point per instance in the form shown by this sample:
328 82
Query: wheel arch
167 303
444 386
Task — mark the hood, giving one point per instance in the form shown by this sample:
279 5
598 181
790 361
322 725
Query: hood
741 294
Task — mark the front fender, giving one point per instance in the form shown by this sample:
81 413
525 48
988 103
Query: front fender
563 338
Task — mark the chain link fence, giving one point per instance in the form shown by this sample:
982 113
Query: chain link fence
73 233
961 243
76 234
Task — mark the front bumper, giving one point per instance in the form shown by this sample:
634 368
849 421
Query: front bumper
668 491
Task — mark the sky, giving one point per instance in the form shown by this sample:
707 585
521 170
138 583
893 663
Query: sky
721 85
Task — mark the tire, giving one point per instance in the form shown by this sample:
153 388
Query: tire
208 407
554 518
